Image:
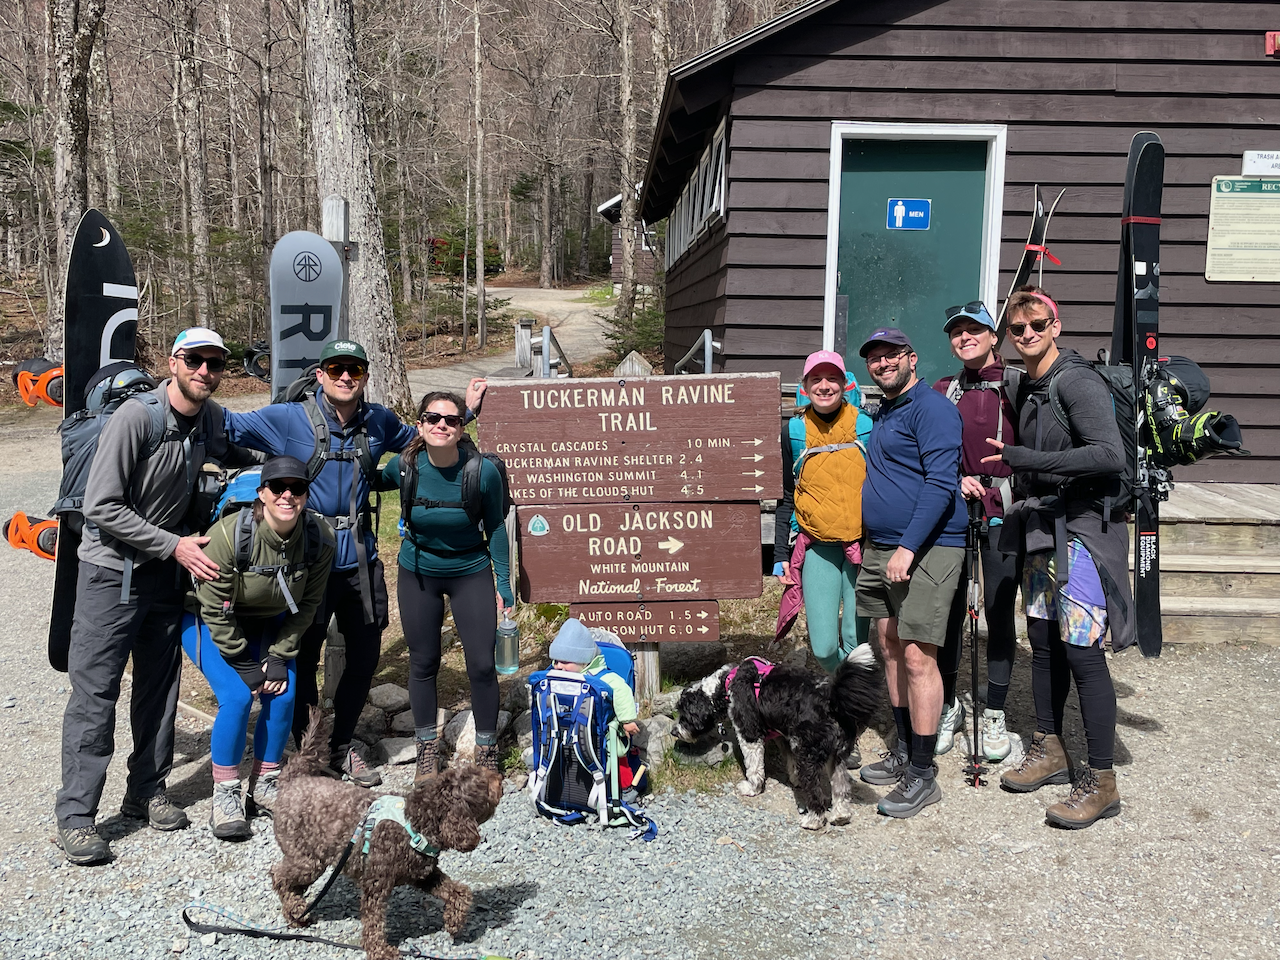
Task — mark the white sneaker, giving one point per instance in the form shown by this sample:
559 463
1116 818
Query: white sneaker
951 723
995 738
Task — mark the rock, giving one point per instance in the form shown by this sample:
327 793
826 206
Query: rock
655 737
692 661
515 696
460 732
518 780
797 658
402 724
454 727
180 945
522 727
396 750
372 725
665 703
209 939
390 697
710 751
526 757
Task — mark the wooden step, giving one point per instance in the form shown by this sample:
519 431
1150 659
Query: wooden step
1197 575
1234 538
1213 629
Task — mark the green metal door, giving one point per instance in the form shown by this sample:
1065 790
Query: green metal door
911 215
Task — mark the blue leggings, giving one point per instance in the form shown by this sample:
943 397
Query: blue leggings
828 578
234 699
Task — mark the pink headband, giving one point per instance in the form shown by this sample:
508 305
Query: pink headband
1052 306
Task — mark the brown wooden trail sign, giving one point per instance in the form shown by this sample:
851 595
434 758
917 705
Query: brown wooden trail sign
639 552
643 440
658 622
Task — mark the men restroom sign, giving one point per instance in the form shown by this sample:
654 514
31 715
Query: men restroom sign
905 214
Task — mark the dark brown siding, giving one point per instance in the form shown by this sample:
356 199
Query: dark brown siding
645 263
1073 81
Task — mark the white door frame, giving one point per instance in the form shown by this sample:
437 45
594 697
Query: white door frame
996 136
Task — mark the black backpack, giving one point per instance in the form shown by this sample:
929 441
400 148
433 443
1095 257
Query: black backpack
471 501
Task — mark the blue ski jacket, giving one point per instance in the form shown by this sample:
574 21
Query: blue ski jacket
283 429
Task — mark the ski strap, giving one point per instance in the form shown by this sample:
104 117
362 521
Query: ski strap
1124 221
1041 249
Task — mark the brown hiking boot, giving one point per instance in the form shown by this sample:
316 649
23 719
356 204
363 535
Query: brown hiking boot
428 761
487 757
1093 797
1046 762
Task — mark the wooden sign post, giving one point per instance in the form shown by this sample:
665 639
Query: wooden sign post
638 499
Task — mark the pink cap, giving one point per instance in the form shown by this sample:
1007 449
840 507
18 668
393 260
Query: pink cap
821 358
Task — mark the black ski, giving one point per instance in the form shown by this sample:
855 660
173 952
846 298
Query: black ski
1034 252
1136 340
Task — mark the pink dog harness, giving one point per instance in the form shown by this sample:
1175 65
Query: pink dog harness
763 668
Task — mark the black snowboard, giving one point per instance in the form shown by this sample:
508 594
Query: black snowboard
1136 341
101 324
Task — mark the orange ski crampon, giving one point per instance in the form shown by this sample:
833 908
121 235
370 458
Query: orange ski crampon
32 533
39 379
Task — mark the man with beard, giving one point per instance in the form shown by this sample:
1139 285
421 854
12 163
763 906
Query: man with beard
914 522
130 590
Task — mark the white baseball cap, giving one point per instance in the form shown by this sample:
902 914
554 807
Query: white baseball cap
194 337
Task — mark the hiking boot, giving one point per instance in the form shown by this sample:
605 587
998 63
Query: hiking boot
487 757
264 791
227 818
910 796
1093 797
886 771
159 811
1046 762
995 738
951 722
83 846
428 764
349 762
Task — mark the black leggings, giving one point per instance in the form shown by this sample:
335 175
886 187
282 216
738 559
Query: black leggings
1000 574
474 605
1053 664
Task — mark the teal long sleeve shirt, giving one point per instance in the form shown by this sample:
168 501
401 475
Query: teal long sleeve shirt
442 541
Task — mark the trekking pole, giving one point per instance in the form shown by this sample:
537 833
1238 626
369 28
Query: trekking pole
973 538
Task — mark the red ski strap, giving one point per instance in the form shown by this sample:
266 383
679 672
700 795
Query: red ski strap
1041 249
1124 221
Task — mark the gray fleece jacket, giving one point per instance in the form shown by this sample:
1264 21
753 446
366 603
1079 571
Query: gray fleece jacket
135 506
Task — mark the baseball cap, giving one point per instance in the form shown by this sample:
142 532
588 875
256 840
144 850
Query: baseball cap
973 310
823 357
194 337
343 348
288 468
885 335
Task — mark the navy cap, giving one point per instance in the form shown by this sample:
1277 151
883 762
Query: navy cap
885 335
974 310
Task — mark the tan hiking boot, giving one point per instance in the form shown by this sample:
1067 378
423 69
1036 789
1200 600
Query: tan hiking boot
1046 761
428 764
1093 797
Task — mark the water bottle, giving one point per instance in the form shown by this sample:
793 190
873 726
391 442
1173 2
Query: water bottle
508 646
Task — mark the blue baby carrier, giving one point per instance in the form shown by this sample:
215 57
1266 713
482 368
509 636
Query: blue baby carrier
575 774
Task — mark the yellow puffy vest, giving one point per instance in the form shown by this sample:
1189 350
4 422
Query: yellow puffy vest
828 497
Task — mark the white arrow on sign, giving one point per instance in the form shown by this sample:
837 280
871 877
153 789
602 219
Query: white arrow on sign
702 614
752 443
671 545
753 473
703 629
756 489
757 457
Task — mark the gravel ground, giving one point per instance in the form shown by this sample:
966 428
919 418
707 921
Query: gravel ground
1191 867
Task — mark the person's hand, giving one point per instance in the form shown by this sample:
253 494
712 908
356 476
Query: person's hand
475 393
972 488
785 577
273 688
189 554
631 728
998 455
899 568
503 609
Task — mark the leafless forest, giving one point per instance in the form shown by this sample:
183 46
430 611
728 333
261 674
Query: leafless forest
507 119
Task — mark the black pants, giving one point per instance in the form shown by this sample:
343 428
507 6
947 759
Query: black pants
1053 666
475 613
103 634
364 647
1001 575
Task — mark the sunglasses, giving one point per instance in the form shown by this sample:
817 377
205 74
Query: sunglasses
1039 326
298 488
450 419
194 362
336 368
973 307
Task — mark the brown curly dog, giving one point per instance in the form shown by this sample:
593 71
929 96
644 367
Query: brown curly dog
315 816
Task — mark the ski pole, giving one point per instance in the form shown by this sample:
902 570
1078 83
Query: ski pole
973 547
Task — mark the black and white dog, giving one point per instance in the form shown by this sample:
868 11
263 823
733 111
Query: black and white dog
816 717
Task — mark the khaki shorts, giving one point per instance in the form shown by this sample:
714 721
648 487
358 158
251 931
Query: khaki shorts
921 604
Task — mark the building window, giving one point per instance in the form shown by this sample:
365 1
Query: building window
701 201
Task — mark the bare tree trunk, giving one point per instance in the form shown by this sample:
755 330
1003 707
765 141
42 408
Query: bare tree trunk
185 281
661 55
544 264
233 152
482 332
72 27
343 166
466 243
626 304
266 155
721 15
191 111
588 186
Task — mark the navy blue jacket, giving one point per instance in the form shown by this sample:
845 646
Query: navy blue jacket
911 497
281 429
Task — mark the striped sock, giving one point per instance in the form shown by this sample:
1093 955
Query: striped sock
221 773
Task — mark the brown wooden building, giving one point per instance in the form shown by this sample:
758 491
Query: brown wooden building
774 154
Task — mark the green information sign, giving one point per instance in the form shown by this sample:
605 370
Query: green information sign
1244 230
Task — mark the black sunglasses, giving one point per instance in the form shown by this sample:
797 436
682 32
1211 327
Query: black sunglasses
1039 326
336 368
194 362
450 419
973 306
298 488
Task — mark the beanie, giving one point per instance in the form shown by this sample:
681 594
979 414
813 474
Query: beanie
573 644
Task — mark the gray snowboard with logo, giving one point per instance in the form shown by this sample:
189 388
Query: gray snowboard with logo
306 304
